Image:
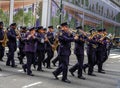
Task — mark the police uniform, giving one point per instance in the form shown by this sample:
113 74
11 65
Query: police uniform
30 50
100 52
12 45
21 54
91 53
49 51
79 52
40 48
65 44
1 38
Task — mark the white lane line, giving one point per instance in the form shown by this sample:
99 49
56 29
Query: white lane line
115 56
33 84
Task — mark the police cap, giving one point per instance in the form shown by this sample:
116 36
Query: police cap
1 23
64 24
13 24
50 27
79 27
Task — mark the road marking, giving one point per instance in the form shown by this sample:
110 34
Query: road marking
1 75
33 84
113 54
60 76
117 56
20 70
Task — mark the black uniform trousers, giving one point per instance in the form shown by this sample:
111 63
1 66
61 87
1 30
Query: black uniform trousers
1 52
50 55
91 59
10 60
41 56
63 67
79 65
30 60
21 54
100 57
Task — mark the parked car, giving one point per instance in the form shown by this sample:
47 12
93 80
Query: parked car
116 42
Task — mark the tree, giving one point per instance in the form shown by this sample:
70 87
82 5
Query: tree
39 10
22 18
4 17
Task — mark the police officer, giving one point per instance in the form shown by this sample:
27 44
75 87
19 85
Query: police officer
91 52
22 44
79 52
65 40
49 45
40 47
100 51
12 45
1 41
30 50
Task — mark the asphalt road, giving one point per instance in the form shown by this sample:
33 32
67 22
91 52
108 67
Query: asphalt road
16 78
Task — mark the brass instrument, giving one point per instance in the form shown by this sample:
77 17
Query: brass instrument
5 39
56 43
17 32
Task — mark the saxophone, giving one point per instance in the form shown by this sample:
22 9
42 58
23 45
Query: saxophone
5 39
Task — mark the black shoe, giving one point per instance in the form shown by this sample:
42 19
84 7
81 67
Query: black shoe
40 70
81 77
13 66
101 72
30 74
92 74
53 64
7 64
55 76
66 80
71 73
48 67
24 69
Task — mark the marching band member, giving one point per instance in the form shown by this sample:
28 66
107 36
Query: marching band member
21 46
49 45
79 52
1 41
65 40
40 47
30 50
12 45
